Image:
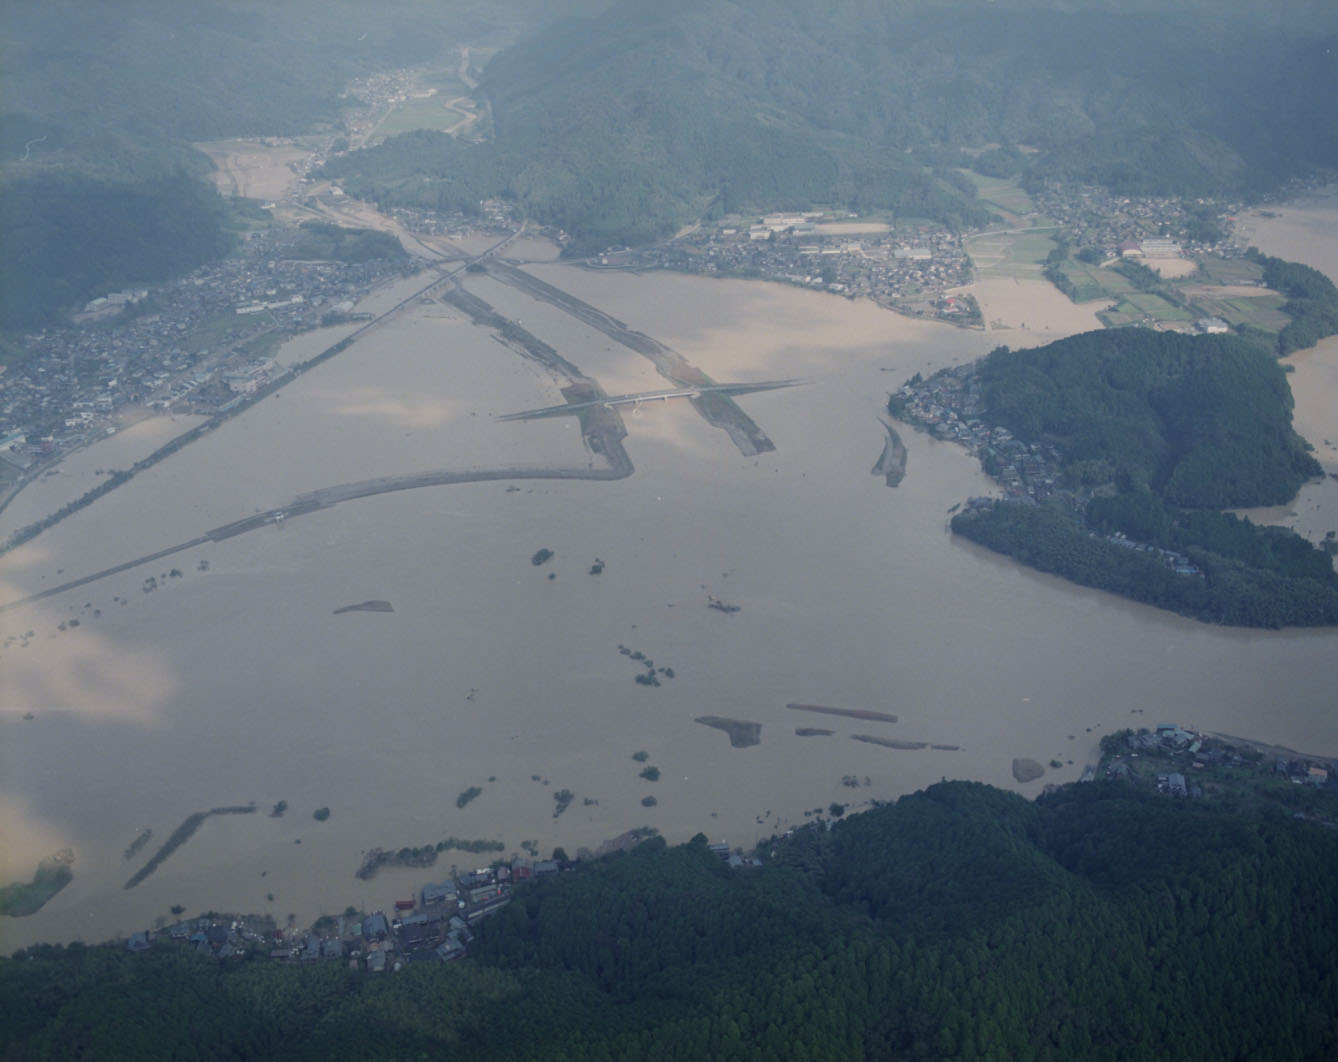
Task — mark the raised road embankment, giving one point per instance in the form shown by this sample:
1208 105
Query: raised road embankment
718 409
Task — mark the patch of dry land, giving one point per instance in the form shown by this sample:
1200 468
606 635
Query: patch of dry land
257 169
234 681
1170 268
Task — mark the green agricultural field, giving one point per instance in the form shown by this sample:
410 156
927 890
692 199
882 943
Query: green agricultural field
1010 254
1003 193
1086 283
1120 316
1139 307
430 113
1093 282
1231 270
1261 311
907 224
1157 307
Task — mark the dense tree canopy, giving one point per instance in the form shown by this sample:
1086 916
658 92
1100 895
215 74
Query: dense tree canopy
121 87
100 103
1205 421
1155 431
962 922
68 238
1312 302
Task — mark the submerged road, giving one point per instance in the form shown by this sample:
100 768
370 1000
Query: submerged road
620 466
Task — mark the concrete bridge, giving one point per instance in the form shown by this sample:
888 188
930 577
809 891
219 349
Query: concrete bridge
610 401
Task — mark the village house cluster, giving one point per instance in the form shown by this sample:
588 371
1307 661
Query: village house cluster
949 405
915 268
1193 754
436 925
495 217
1092 216
193 345
909 268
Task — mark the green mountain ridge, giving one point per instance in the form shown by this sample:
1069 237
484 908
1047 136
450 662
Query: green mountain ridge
622 126
626 123
110 82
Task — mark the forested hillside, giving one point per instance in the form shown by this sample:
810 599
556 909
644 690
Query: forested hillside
626 123
1156 431
962 922
99 185
622 126
1312 302
68 237
118 88
1205 421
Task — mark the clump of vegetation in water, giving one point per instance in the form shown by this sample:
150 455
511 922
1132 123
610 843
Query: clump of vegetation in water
138 843
651 676
25 898
277 811
641 757
181 835
468 795
321 814
563 797
651 774
422 856
542 557
648 802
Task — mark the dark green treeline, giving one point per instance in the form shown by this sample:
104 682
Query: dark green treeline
963 922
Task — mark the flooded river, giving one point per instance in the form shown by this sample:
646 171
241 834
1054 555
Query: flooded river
222 675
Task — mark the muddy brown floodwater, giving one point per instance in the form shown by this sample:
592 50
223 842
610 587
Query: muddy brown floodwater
234 680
